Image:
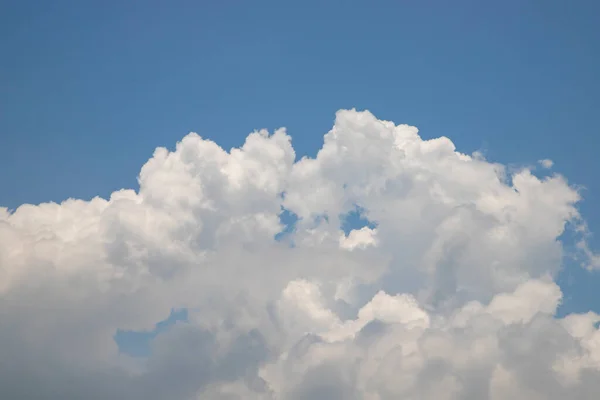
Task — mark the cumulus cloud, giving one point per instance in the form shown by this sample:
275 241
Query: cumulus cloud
546 163
448 293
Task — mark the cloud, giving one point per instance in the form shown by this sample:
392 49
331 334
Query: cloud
446 292
546 163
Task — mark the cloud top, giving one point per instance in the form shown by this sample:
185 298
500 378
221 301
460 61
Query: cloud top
448 293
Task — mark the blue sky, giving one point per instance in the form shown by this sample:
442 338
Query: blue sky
89 89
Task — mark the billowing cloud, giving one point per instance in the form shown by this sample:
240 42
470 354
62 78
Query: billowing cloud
447 292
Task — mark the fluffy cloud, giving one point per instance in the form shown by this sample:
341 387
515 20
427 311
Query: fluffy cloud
546 163
448 293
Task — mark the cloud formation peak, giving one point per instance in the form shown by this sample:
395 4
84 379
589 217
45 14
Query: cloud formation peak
447 292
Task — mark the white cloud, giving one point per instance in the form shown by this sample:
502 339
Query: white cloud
449 296
546 163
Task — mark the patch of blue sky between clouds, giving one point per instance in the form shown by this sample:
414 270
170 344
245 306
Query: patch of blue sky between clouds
580 290
578 284
355 219
139 343
288 219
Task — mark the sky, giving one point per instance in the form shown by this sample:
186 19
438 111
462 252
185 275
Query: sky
89 90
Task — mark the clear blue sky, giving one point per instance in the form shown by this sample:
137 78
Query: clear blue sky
89 89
